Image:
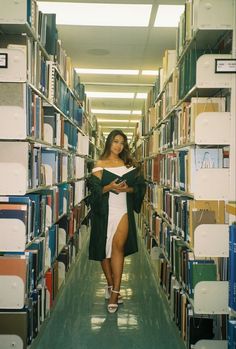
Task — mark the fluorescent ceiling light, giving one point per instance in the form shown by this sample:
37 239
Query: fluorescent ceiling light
141 95
150 72
115 120
168 15
110 94
136 112
127 133
116 111
107 71
110 111
115 15
117 84
120 127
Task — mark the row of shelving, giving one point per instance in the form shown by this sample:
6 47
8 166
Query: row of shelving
45 149
188 161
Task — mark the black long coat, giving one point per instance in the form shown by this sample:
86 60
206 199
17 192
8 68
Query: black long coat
100 209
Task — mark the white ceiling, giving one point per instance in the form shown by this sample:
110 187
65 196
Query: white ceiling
118 48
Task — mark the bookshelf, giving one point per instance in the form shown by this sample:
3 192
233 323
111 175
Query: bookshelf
45 141
189 161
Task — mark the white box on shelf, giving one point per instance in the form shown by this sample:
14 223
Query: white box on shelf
12 292
211 344
206 77
16 67
13 168
207 178
211 297
14 12
13 123
211 184
12 235
11 341
208 121
211 240
13 111
212 14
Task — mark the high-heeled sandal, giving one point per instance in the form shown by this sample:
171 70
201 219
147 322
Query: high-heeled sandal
108 294
113 307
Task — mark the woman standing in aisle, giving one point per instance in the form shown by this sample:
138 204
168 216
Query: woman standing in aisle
117 190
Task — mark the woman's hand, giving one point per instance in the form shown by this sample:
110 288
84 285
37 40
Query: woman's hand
121 187
118 187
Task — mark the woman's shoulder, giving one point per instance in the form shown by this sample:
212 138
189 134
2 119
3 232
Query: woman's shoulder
99 163
108 163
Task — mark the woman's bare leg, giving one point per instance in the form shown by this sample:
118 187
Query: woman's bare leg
106 267
117 256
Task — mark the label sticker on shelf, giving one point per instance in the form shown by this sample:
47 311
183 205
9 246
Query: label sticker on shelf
227 65
3 60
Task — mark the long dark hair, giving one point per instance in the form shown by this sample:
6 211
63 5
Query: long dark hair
124 155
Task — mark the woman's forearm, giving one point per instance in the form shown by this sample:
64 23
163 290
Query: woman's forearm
106 188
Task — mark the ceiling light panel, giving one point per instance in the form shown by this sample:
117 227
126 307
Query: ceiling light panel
168 15
117 120
116 111
136 112
110 95
94 14
107 71
110 111
150 72
121 127
141 95
128 134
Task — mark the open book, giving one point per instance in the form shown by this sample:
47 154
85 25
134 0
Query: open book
129 177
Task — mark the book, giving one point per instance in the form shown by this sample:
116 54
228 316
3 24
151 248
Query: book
198 328
200 270
50 125
232 266
37 247
53 242
50 165
108 177
232 334
62 233
49 285
51 33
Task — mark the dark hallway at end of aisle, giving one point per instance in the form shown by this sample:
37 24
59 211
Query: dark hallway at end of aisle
80 319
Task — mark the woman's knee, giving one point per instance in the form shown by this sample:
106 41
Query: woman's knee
118 244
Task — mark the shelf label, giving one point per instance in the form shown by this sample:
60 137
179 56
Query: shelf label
3 60
225 65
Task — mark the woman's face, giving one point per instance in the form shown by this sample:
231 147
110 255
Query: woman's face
117 145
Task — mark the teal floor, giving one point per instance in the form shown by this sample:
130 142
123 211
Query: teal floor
80 319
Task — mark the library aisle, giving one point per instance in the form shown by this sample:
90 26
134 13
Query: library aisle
80 319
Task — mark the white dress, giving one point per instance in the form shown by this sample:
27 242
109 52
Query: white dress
117 206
